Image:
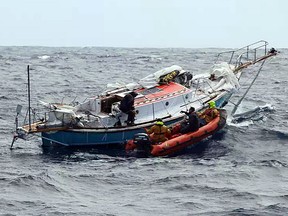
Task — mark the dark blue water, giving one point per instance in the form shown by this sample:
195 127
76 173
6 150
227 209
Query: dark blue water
243 170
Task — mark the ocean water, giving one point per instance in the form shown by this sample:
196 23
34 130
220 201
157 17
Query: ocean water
242 170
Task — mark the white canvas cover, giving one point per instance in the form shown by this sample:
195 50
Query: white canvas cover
149 81
224 77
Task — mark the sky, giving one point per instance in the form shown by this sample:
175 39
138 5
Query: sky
144 23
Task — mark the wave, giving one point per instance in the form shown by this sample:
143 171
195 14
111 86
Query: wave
281 134
44 57
108 56
145 59
232 122
275 210
4 98
270 163
32 181
66 68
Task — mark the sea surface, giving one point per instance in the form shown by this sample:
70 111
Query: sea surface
242 170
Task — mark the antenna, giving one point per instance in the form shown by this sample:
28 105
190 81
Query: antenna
29 106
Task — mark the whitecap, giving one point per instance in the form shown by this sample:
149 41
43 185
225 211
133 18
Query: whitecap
44 57
245 123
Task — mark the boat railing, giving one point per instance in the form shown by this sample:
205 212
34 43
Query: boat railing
250 53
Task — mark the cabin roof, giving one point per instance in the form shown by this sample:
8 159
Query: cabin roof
160 92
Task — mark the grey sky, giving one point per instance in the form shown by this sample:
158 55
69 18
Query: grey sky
143 23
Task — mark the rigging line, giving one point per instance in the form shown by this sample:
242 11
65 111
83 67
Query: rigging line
202 90
197 88
251 75
248 79
51 140
238 103
209 83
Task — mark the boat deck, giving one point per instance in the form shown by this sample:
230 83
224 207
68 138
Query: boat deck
35 129
163 91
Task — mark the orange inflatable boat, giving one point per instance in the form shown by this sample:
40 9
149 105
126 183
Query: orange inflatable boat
177 142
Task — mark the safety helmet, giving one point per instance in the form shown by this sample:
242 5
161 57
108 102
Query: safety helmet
212 104
159 122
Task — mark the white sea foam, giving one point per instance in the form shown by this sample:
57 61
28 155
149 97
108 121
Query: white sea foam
44 57
245 123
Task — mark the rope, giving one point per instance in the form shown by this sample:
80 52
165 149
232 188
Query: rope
238 103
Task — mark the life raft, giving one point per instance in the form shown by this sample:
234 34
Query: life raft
178 141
